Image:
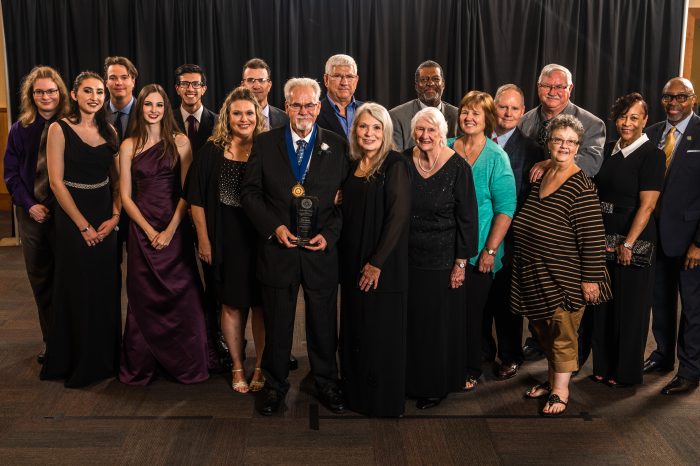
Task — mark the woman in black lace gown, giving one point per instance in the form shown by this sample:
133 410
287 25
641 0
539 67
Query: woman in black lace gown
374 268
84 333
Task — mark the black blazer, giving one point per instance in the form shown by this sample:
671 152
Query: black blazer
278 118
679 205
267 200
206 126
523 153
328 120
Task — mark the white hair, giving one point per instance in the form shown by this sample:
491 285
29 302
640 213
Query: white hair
293 83
341 60
434 117
551 68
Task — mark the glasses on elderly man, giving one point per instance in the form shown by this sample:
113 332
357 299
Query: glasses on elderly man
42 93
680 98
553 87
563 142
194 84
340 77
297 106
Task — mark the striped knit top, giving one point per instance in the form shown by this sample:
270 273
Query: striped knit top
559 243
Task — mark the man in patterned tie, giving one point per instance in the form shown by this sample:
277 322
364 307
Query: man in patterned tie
678 252
43 99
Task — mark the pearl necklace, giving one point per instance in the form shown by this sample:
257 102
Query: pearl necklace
432 167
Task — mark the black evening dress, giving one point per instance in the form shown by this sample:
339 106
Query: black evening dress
373 323
620 326
85 329
443 227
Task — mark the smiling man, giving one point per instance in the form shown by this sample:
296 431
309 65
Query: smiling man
429 83
258 78
120 79
194 119
554 88
339 106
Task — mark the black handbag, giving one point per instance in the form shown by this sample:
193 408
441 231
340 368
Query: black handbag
642 251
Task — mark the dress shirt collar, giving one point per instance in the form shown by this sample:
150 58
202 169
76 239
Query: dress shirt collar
197 114
502 140
439 107
631 148
126 110
680 126
295 137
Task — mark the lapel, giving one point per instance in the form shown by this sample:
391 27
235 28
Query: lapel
513 141
691 133
315 155
177 113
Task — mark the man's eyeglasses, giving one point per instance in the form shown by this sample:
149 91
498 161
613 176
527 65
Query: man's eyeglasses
423 80
308 107
194 84
563 142
340 77
252 81
553 87
42 93
680 98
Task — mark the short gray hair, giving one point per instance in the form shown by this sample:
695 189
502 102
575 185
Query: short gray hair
551 68
509 87
566 121
293 83
433 116
341 60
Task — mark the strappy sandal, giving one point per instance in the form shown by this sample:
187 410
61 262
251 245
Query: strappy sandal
551 401
543 386
470 384
257 384
240 387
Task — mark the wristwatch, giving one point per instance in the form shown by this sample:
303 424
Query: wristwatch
461 264
627 245
490 252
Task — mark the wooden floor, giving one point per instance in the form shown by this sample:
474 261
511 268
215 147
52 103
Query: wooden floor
169 424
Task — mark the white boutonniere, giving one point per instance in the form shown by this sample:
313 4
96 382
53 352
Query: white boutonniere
324 148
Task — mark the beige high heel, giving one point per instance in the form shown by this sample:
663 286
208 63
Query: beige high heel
240 387
257 384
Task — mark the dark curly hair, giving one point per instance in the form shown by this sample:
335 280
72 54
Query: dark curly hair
624 103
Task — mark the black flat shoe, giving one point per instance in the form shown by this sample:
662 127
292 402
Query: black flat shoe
271 402
596 378
331 397
679 385
543 386
427 403
655 366
553 400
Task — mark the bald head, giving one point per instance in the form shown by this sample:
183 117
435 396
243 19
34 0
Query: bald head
678 99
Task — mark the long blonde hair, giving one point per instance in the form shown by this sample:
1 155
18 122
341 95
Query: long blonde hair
380 114
27 106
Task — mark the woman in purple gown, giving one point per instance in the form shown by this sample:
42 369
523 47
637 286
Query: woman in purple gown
165 329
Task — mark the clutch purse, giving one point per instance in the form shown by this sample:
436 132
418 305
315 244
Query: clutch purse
642 251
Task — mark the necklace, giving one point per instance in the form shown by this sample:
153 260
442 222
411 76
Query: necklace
475 150
431 167
233 155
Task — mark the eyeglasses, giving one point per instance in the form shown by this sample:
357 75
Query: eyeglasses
563 142
423 80
680 98
308 107
42 93
340 77
252 81
194 84
553 87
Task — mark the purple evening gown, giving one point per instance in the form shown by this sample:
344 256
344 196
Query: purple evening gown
165 329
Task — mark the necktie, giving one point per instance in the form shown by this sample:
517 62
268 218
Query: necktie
542 134
41 182
118 124
191 128
301 146
669 145
495 139
267 123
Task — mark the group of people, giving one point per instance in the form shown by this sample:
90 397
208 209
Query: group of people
436 221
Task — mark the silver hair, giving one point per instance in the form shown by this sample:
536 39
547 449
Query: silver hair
551 68
434 117
301 82
509 87
341 60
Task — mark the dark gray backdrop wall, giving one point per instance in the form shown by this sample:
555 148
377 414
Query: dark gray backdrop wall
611 46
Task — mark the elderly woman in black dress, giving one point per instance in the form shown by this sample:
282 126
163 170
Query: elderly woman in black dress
443 236
374 267
629 184
558 260
225 236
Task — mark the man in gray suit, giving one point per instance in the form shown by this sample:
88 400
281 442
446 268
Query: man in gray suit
256 77
430 82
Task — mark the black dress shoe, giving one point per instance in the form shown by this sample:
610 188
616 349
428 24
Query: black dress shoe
331 397
293 363
532 352
679 385
506 370
655 366
41 356
271 402
427 403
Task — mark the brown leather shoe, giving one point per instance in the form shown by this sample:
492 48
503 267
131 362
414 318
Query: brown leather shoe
506 370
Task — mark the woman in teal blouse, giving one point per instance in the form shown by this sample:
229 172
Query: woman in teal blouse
495 195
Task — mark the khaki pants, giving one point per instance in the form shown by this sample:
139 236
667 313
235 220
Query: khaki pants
558 337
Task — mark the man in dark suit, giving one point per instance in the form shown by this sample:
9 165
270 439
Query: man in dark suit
287 166
258 78
523 153
678 252
430 83
193 118
339 107
120 79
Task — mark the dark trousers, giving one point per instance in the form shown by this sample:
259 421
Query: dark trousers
509 326
477 289
279 310
664 308
38 246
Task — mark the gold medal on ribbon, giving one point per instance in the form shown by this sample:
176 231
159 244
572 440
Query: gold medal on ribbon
298 190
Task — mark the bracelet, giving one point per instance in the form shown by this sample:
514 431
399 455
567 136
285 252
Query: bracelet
115 215
86 228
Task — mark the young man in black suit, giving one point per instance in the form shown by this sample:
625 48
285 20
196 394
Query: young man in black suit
193 118
678 251
339 107
287 167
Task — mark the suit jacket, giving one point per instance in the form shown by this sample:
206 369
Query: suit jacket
206 126
402 115
268 202
277 117
523 153
679 206
327 118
